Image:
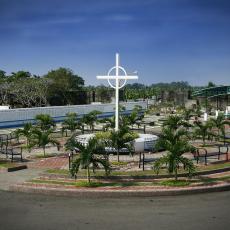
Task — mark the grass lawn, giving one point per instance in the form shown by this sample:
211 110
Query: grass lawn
120 163
47 155
84 183
6 164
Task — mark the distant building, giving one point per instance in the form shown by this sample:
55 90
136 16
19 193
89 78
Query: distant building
218 97
176 97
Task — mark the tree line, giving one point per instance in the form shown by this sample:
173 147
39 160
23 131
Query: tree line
63 87
22 89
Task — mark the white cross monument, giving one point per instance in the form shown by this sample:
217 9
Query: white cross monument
118 84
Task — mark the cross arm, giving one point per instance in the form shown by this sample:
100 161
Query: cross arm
119 77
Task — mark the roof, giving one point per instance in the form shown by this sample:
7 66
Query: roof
212 92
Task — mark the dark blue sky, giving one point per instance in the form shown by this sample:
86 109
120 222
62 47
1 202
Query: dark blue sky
165 40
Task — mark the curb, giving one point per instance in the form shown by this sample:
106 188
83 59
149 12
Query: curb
13 169
93 193
16 168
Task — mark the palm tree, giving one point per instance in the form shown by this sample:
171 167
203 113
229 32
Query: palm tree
27 133
42 138
174 122
45 121
121 139
198 111
220 122
133 118
70 123
203 130
110 123
91 118
87 156
176 143
187 114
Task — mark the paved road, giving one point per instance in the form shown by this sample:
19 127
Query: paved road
27 211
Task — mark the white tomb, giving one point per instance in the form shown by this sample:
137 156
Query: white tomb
145 142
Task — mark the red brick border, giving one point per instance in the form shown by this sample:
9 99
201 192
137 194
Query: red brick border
95 193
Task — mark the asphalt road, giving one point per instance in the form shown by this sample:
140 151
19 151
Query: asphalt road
28 211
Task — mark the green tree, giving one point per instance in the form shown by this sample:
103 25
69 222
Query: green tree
42 138
20 75
220 122
4 88
45 121
198 111
90 119
187 114
121 139
173 122
62 81
175 141
103 93
133 118
70 123
29 92
88 156
2 75
27 132
211 84
109 123
203 130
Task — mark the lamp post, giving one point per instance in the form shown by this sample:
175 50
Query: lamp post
118 84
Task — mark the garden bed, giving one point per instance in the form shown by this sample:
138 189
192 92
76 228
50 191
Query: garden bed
201 170
116 185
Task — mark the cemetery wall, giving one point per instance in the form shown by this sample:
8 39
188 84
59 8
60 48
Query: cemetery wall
18 117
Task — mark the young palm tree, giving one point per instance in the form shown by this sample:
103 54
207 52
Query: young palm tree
27 133
121 139
91 118
81 125
220 123
176 143
133 118
70 123
45 121
187 114
110 122
174 122
203 130
88 156
198 111
42 138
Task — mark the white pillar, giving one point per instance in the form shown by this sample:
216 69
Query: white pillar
217 113
226 112
117 94
205 116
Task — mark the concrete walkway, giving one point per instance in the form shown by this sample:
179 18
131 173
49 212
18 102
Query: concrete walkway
11 178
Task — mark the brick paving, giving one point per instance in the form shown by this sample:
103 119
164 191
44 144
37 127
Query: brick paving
59 162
